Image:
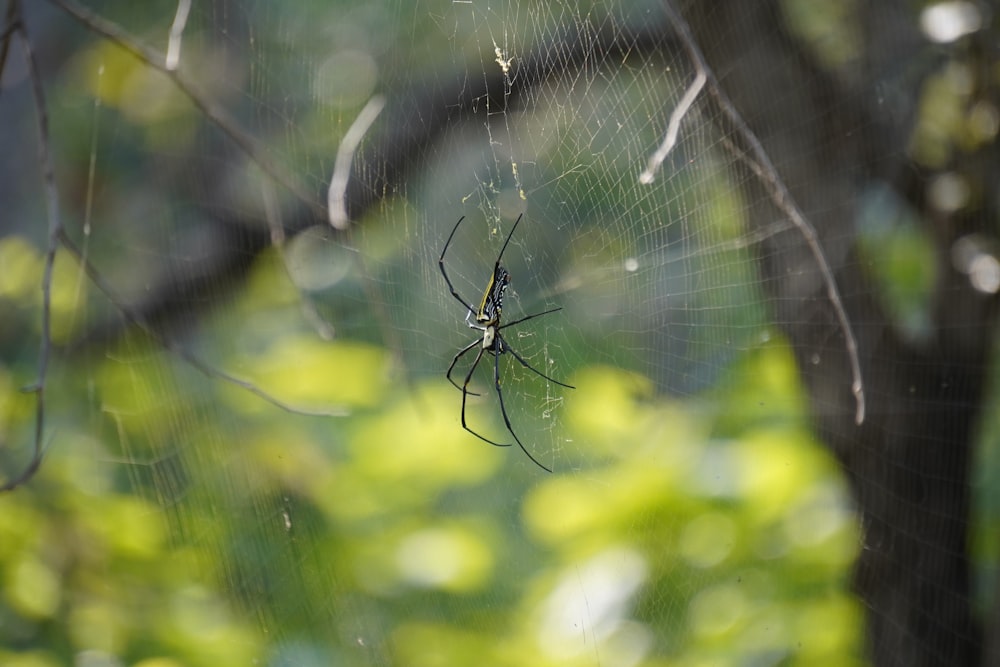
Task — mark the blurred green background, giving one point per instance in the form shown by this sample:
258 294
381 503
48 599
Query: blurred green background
178 519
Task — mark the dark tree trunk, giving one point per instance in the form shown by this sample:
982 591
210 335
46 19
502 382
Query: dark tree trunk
909 462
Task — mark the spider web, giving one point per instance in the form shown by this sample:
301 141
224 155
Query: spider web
248 426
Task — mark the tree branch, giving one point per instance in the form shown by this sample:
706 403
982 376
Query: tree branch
16 23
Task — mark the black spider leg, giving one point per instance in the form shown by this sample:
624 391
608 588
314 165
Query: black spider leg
444 273
462 301
468 348
499 347
461 353
466 392
451 288
516 223
532 368
524 363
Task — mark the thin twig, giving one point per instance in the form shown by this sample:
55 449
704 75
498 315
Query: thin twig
247 144
169 345
323 328
673 127
336 195
218 116
10 25
55 231
764 169
176 31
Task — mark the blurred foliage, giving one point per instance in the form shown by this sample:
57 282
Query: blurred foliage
180 520
185 532
899 256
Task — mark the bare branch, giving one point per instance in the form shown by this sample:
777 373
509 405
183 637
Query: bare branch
337 194
216 115
168 344
176 31
10 25
323 328
673 127
761 165
55 231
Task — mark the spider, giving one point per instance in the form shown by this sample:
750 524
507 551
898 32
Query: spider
487 320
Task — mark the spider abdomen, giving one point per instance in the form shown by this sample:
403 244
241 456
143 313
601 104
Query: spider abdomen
492 304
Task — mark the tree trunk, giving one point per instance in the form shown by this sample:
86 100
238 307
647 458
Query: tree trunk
909 462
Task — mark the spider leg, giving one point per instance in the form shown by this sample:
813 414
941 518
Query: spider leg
444 273
531 368
503 408
461 353
516 223
466 392
518 357
529 317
